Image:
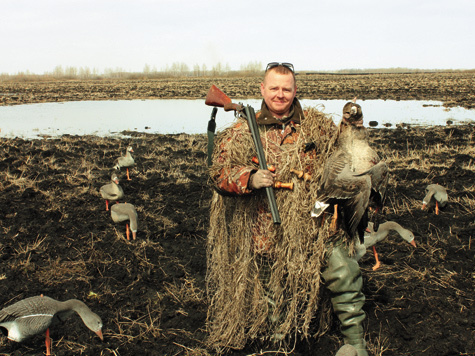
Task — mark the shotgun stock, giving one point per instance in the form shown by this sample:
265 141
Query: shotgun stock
217 98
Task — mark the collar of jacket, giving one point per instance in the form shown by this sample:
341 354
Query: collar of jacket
264 117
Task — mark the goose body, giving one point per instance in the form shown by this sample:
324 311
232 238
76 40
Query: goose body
35 315
112 191
126 212
354 176
126 161
436 195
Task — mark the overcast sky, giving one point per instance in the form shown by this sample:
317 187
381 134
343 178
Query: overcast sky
38 35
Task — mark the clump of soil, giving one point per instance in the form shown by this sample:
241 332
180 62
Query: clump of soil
57 239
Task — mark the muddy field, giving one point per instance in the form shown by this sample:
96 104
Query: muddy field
57 239
452 88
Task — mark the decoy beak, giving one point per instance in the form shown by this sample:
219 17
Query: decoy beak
99 333
413 243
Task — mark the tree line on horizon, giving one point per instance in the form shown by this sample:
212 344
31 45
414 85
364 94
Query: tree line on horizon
181 69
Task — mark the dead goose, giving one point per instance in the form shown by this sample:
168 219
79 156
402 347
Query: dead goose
436 195
126 161
112 191
35 315
354 177
373 237
126 212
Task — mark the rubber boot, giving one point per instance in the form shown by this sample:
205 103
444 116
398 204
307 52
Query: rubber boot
343 279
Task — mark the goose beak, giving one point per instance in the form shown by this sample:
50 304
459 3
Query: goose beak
99 333
413 243
424 206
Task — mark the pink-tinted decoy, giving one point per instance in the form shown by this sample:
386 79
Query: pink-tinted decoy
126 212
372 237
436 195
126 161
35 315
112 192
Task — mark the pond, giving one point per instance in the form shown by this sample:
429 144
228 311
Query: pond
106 118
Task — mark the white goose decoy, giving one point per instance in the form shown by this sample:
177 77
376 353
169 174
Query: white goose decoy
372 238
35 315
126 161
354 177
112 191
126 212
435 195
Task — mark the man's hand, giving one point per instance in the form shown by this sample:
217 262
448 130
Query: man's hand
261 179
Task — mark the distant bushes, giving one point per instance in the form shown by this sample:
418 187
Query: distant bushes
179 69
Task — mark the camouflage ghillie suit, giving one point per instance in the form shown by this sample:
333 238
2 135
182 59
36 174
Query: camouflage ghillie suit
264 279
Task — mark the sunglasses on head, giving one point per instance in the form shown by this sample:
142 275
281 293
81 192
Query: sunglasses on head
276 64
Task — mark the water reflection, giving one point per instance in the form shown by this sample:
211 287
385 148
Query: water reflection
106 118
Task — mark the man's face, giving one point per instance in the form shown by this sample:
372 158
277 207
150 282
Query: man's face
278 91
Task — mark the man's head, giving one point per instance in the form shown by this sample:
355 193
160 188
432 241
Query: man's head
279 88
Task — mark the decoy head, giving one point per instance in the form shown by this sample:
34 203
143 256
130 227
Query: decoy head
94 323
115 178
130 149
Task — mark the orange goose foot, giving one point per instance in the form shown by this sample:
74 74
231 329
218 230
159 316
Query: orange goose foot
376 257
333 224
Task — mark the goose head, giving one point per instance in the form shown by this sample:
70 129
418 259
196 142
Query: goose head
352 114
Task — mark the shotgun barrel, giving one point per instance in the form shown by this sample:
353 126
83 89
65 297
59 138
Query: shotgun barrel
217 98
251 120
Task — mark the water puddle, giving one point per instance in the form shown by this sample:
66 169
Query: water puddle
106 118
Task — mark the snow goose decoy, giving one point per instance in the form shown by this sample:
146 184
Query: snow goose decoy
126 212
373 237
35 315
354 178
112 191
126 161
435 195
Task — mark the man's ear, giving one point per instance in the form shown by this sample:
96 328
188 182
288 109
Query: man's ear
262 88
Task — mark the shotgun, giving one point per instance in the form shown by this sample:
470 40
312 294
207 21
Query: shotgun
217 98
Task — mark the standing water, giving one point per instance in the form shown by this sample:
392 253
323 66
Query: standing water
105 118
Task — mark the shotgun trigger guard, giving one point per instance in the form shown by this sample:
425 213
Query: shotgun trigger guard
242 112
